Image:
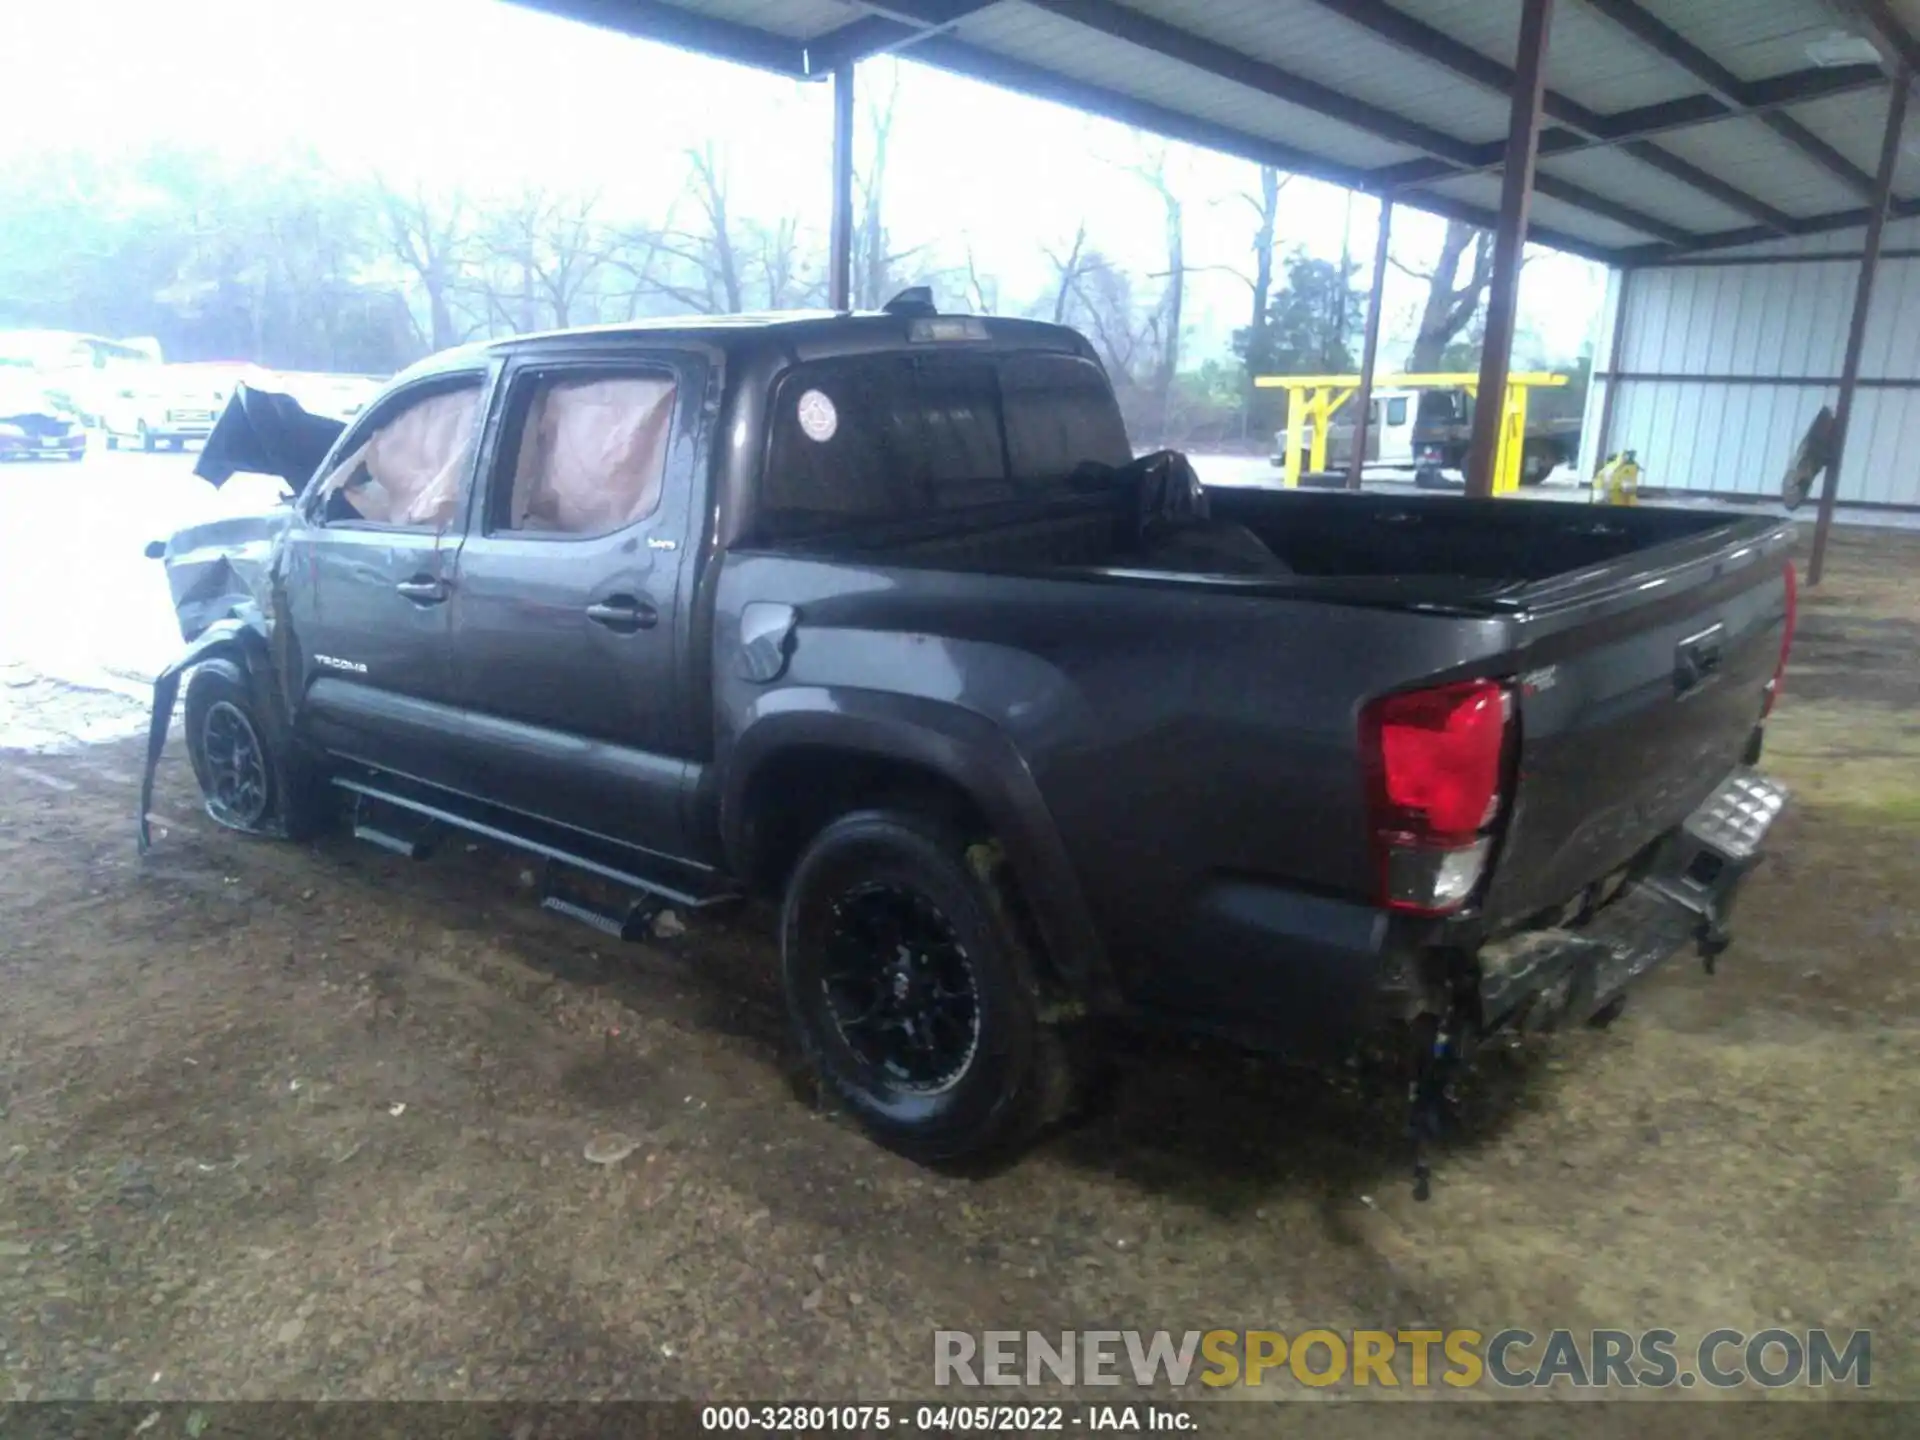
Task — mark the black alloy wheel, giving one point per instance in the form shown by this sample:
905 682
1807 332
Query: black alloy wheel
900 987
236 766
914 992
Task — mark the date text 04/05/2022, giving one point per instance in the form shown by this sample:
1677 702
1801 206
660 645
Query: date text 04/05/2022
944 1419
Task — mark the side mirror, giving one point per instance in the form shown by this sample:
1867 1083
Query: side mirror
155 549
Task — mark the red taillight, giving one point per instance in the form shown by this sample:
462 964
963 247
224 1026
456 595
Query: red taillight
1786 641
1436 760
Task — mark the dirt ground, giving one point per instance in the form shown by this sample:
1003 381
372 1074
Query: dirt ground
287 1121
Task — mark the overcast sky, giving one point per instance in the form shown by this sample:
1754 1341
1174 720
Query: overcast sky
483 93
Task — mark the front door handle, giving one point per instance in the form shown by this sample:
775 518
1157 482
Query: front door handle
624 614
423 590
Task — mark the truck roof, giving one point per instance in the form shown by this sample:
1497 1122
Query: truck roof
801 334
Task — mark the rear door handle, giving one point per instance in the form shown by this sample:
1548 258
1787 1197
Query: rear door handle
623 614
423 590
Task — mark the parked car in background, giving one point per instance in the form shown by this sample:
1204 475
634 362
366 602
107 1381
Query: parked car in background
78 369
36 425
168 405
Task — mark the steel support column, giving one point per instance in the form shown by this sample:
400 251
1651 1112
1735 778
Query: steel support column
1623 296
840 241
1370 347
1857 332
1509 242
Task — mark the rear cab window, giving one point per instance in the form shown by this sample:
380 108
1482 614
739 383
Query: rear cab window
903 435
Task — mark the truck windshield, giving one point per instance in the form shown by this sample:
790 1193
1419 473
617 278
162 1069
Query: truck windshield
895 436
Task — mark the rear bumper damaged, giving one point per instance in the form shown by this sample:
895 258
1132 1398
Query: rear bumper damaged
1543 979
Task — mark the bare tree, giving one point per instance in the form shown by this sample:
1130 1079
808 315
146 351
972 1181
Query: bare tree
637 254
713 254
1067 268
1128 342
876 264
1267 208
431 236
983 292
1450 303
777 255
1166 321
545 252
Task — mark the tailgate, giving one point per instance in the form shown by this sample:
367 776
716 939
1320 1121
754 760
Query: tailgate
1639 690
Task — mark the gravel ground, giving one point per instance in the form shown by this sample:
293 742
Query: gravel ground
285 1121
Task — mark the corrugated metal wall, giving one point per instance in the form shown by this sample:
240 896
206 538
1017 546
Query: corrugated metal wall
1786 324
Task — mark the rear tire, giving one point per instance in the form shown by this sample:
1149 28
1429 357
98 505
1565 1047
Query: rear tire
913 994
146 438
113 440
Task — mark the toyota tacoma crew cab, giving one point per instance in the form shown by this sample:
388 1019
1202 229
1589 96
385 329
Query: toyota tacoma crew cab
880 615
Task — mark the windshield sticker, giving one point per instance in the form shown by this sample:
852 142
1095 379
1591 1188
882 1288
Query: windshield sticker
818 418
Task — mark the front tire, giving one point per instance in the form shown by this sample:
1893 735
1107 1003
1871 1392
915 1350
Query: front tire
113 440
146 438
247 774
913 994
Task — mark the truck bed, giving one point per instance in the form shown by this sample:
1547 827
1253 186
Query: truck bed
1231 703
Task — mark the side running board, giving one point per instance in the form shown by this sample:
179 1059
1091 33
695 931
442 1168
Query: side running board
549 842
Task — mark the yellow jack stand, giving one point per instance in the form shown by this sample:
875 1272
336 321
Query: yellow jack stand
1315 399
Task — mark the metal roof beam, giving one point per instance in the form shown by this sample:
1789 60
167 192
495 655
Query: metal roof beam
1778 222
1618 127
893 25
671 25
1450 152
1724 85
1424 40
1568 193
1121 23
1754 234
1879 17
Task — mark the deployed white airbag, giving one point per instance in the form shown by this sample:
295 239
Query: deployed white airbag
592 455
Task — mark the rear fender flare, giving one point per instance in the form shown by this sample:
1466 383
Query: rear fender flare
963 748
240 639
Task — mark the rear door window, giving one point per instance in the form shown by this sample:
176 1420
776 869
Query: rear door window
591 453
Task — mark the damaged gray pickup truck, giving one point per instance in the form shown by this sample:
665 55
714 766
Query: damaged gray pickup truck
879 615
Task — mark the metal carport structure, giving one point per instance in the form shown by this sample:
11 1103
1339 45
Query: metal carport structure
1637 133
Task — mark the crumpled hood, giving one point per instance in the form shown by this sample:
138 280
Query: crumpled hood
266 432
222 567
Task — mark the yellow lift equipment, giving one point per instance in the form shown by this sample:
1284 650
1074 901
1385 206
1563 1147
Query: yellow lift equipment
1315 399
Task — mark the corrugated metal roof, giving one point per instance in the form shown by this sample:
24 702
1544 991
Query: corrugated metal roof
1591 60
801 19
1753 41
1408 95
1617 174
1854 125
1484 191
1309 39
1039 37
1746 154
